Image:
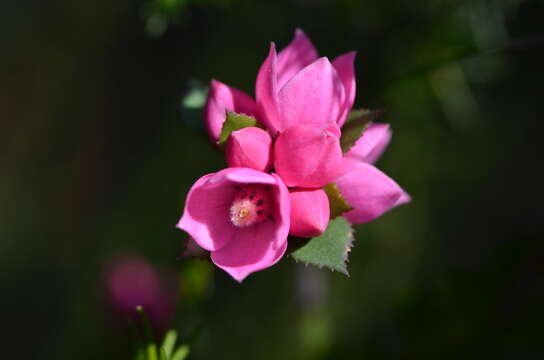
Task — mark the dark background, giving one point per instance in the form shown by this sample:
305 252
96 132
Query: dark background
96 157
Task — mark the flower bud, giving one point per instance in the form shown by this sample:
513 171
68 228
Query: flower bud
309 212
249 147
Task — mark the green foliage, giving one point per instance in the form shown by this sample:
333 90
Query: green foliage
148 349
235 122
195 280
169 342
330 249
181 353
357 122
337 204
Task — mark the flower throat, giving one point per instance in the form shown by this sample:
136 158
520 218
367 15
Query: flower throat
251 205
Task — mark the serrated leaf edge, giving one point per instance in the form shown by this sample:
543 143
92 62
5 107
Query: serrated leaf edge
344 269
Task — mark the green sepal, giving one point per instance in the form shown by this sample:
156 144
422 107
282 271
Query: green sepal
329 249
358 121
337 204
233 122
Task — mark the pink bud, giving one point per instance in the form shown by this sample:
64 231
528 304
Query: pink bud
309 212
249 147
309 156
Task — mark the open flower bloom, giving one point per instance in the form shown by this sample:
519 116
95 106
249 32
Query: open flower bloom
241 216
368 190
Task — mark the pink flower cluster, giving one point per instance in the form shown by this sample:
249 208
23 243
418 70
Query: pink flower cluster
273 186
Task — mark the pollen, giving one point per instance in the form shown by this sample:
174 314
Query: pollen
243 212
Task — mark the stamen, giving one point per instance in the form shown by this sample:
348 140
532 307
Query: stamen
249 210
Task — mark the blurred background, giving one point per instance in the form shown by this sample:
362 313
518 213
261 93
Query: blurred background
99 144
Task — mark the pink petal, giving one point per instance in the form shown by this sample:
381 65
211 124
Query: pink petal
205 217
250 147
258 247
308 156
248 176
266 92
310 212
220 99
370 192
297 55
314 96
372 144
346 71
405 198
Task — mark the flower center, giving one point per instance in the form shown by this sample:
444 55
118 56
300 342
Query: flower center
251 205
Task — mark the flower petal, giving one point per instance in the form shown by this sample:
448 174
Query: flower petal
344 65
294 57
370 192
308 156
258 247
266 92
310 212
249 147
371 144
314 96
220 99
205 216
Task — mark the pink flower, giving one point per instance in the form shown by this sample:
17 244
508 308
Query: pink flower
302 100
297 87
368 190
241 216
293 86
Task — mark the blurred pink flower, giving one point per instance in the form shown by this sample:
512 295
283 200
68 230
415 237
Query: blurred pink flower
131 281
241 216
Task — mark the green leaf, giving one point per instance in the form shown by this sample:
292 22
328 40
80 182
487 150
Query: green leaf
337 204
330 249
152 351
235 122
169 342
162 354
357 122
181 353
151 348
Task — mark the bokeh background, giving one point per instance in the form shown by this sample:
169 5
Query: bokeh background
99 145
